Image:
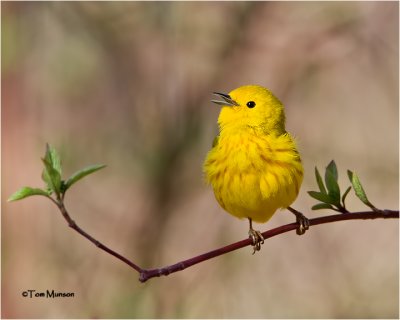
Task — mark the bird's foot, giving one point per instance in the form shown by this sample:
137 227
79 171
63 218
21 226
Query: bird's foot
257 239
303 222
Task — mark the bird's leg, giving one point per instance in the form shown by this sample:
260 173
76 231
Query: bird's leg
256 237
303 222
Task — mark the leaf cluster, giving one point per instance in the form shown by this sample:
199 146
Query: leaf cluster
329 193
51 175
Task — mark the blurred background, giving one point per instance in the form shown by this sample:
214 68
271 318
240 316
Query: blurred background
129 84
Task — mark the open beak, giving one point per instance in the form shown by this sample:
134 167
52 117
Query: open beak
227 100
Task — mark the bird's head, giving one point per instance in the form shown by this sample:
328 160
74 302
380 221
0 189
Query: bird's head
251 106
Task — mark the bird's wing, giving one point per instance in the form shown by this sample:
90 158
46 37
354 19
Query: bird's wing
215 141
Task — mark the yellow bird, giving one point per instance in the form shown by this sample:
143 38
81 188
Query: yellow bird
254 166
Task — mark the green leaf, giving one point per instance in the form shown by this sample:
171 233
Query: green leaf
323 197
359 190
51 174
52 177
345 195
321 206
82 173
319 181
27 192
333 169
52 157
350 175
332 186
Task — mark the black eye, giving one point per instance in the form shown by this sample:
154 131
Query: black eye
251 104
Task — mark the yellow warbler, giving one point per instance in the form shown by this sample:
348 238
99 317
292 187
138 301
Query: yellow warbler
254 166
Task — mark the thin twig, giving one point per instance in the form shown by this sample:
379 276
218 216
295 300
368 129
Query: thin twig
73 225
146 274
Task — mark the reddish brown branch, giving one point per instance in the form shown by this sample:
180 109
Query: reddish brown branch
146 274
164 271
73 225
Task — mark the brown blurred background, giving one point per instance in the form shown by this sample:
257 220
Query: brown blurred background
129 84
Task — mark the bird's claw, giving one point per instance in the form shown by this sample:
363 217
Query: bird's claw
257 239
302 221
304 224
